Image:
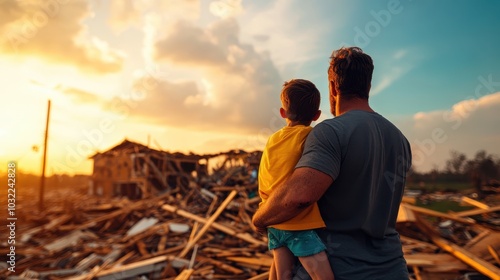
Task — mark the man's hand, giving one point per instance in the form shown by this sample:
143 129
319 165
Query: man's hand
304 187
256 227
261 231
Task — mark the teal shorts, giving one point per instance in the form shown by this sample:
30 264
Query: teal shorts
301 243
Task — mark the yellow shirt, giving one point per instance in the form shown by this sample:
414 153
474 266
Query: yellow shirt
282 152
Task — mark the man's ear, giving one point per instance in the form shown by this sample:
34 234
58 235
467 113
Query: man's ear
333 91
317 115
283 113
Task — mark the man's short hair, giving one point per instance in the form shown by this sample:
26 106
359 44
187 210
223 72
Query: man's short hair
300 98
351 72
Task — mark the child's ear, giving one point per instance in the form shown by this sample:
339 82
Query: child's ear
283 113
317 115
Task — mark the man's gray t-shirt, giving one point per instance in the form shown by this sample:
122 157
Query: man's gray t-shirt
368 158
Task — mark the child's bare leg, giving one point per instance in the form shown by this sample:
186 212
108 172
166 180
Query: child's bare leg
317 266
284 261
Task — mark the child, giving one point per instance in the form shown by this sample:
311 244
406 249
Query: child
300 106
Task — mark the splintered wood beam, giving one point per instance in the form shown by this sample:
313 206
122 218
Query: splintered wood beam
417 273
254 262
133 269
409 199
47 227
442 261
474 202
439 214
185 274
477 263
494 254
243 236
208 224
477 211
478 238
263 276
221 265
417 242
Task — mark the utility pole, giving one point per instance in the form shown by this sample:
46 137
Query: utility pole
42 178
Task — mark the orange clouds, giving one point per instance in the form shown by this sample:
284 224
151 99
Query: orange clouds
233 89
53 31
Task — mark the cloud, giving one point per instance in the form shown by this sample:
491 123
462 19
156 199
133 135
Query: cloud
468 126
188 44
395 66
226 8
126 13
236 89
386 81
79 96
54 31
291 38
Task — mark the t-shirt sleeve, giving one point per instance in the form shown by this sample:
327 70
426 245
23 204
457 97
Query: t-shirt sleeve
322 151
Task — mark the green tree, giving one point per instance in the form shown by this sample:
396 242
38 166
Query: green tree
456 163
481 169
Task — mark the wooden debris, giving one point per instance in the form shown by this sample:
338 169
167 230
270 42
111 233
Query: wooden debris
165 213
243 236
480 265
474 202
470 253
494 254
477 211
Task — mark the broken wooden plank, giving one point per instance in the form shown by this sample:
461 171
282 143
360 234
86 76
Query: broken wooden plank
263 261
263 276
420 244
479 264
245 236
68 240
409 199
141 246
480 248
477 238
477 211
97 269
494 254
416 270
435 260
209 223
221 265
438 214
474 202
185 274
151 266
141 226
405 214
49 226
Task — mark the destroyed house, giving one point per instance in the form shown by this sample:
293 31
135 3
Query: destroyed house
136 171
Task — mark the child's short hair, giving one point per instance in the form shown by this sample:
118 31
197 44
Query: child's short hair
300 98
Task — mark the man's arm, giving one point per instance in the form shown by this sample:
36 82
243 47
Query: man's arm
304 187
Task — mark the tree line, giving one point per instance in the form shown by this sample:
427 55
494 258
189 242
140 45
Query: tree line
481 170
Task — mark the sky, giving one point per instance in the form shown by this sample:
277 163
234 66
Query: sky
204 76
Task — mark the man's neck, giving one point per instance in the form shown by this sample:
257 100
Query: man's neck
345 106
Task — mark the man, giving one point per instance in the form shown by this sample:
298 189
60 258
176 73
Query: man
354 166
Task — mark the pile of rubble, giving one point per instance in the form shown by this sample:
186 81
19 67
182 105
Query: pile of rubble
201 229
453 245
207 234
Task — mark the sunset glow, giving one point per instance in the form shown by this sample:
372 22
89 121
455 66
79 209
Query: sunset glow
205 76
